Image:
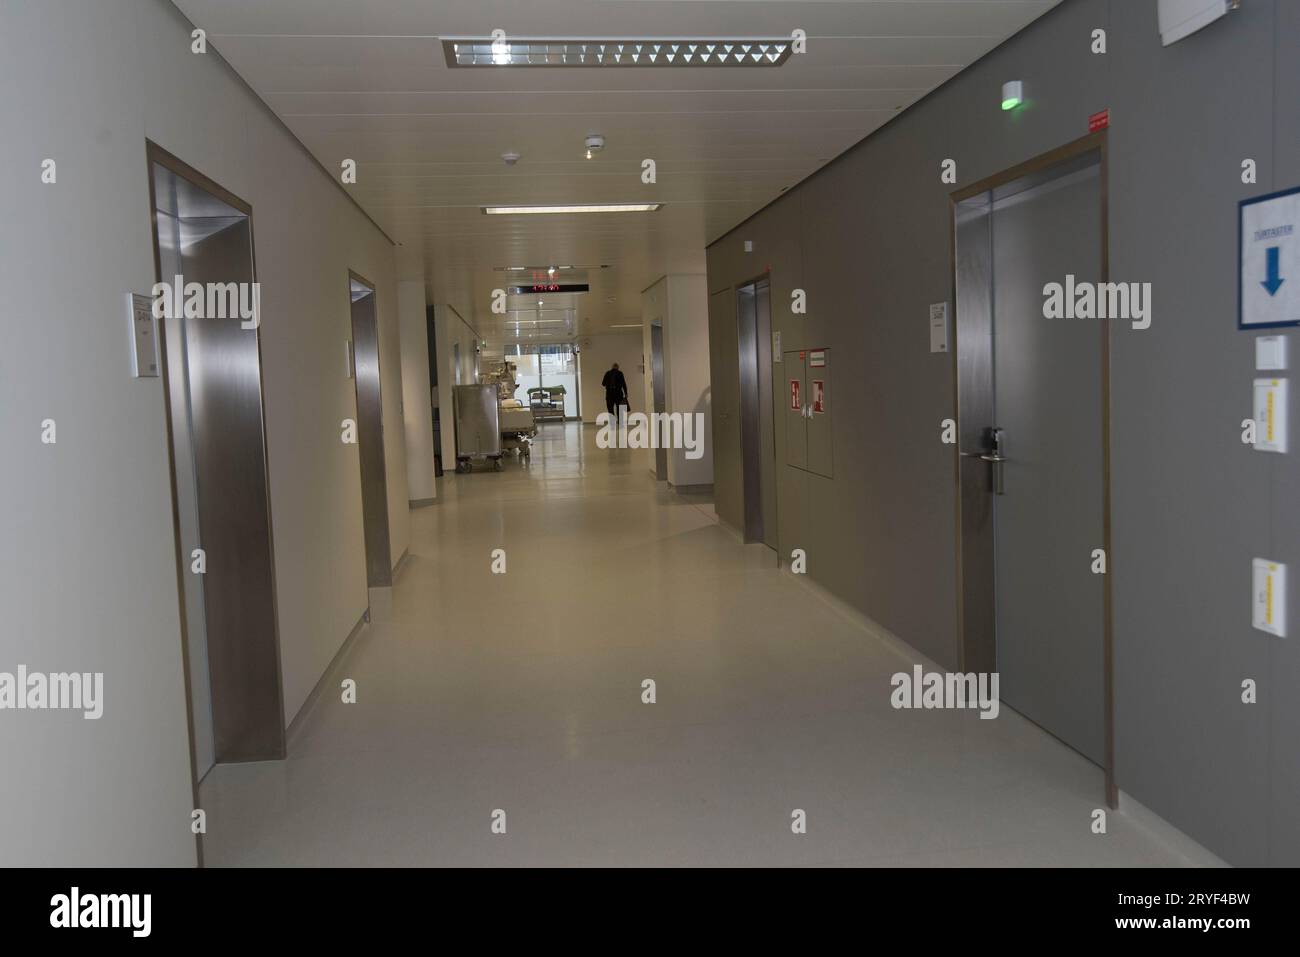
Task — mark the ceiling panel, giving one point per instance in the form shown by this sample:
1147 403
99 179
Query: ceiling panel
368 81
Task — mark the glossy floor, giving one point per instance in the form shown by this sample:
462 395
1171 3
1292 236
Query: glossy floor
522 692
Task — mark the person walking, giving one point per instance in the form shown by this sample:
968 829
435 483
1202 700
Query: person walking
615 394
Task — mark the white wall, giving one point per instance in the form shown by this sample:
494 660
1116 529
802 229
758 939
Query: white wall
417 415
599 352
681 303
88 573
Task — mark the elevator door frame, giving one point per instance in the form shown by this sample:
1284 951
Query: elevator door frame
379 567
757 398
976 605
155 155
659 394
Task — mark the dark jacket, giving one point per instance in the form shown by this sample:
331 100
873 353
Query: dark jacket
615 385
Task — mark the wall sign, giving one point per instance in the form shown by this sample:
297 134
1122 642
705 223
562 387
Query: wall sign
794 395
818 396
938 327
1268 281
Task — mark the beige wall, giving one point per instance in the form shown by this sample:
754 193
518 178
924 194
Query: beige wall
681 304
417 412
598 354
89 570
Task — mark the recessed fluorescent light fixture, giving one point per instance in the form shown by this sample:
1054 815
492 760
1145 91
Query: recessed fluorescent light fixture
587 208
614 52
541 269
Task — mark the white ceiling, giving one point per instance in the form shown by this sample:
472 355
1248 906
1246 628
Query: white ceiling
367 80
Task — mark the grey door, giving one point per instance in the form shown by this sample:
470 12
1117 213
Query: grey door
370 435
1047 400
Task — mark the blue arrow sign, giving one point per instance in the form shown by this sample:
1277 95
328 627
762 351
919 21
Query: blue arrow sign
1274 282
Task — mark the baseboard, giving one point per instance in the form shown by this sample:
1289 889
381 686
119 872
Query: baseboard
325 678
878 631
692 489
1174 840
421 502
735 533
1186 847
401 560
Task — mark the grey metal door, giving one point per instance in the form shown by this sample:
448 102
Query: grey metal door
1047 402
370 435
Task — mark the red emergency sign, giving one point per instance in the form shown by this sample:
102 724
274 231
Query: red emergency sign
794 394
819 395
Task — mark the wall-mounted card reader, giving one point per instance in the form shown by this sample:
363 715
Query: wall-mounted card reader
144 336
1270 415
1268 596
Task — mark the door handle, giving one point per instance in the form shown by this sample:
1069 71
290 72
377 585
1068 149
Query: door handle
995 458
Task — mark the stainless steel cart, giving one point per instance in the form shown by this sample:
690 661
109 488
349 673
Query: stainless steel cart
478 430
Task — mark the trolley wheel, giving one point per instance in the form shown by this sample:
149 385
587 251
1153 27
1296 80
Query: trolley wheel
496 463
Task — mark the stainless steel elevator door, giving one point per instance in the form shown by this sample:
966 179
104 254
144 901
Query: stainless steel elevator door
757 429
766 412
660 397
370 436
1047 381
218 449
750 430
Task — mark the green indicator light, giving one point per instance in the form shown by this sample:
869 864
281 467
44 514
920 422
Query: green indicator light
1011 104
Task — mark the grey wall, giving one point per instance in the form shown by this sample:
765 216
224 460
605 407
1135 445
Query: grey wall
868 237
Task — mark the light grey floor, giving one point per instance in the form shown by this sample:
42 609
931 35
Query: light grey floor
522 692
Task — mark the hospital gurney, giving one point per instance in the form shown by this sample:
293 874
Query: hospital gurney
518 427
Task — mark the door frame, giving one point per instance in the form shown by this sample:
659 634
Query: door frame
156 155
354 276
977 643
770 412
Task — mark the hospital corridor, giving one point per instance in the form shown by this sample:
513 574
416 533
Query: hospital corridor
556 436
537 706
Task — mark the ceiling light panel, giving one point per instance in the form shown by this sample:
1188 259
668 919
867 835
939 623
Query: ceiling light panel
586 208
590 51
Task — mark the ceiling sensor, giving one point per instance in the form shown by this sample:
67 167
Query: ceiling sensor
511 157
595 143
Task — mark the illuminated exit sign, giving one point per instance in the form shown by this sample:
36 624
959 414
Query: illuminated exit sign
552 287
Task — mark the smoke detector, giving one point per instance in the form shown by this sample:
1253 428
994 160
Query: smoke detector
595 143
511 157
